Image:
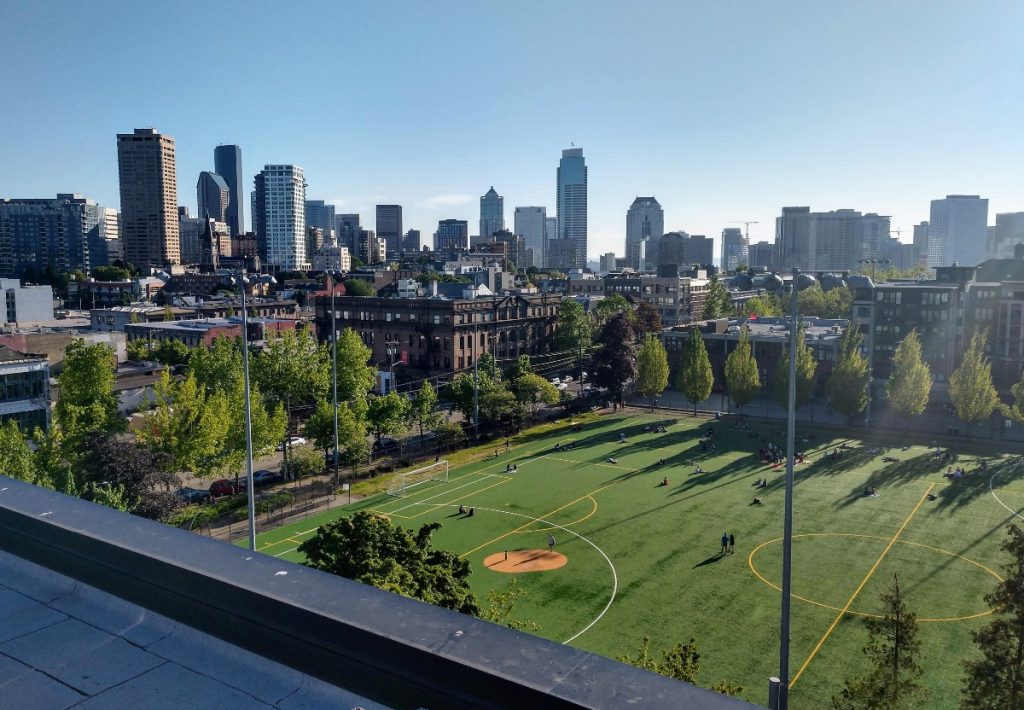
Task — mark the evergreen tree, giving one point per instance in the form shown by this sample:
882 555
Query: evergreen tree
970 386
717 304
910 381
996 680
652 368
893 681
741 374
847 387
806 367
695 377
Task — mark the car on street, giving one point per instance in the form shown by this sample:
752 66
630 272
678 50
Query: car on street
192 495
567 378
266 478
224 487
293 441
556 381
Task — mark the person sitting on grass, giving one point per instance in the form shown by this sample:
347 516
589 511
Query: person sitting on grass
661 462
759 501
664 481
471 512
611 460
462 510
699 469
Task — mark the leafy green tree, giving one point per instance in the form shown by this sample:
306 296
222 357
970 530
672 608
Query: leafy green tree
218 368
970 386
762 306
1015 410
269 423
501 607
646 320
305 462
741 373
294 368
573 330
615 363
806 367
422 410
499 410
358 287
652 368
533 390
187 424
847 386
16 458
681 662
695 377
910 381
356 376
607 308
996 680
459 392
835 303
387 414
367 548
717 303
109 273
87 403
128 475
520 367
893 681
450 435
171 352
139 349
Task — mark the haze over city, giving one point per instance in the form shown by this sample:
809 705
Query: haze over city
724 116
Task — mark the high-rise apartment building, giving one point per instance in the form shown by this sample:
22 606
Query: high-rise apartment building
761 254
110 230
212 196
492 213
149 198
227 162
279 216
838 240
792 237
346 232
389 228
320 215
451 234
571 201
921 243
734 248
957 231
530 224
645 221
64 234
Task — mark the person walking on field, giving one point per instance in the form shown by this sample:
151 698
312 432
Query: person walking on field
551 542
732 543
725 543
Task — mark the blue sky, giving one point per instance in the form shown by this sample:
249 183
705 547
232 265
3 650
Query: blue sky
724 111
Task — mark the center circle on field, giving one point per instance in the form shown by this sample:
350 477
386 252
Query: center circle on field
753 568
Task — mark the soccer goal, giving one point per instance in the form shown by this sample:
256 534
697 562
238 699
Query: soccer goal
437 471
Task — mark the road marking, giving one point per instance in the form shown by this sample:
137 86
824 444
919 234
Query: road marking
860 586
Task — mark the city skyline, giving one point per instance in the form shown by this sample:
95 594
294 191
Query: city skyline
757 134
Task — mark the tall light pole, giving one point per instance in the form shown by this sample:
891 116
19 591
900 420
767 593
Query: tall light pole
476 386
248 417
334 381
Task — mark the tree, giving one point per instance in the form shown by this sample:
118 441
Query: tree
450 435
16 459
171 352
501 608
615 362
996 680
847 386
573 331
695 377
367 548
109 273
138 349
652 368
681 662
533 390
356 376
387 414
646 320
520 367
358 287
717 304
87 403
459 392
293 368
268 427
129 475
763 306
218 367
499 410
970 386
607 308
892 682
422 408
910 381
306 462
806 366
1015 410
741 373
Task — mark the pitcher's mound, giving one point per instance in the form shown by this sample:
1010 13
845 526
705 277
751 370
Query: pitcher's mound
525 561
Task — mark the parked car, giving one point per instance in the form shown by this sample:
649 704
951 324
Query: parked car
265 478
562 387
555 381
223 487
192 495
293 440
385 444
567 378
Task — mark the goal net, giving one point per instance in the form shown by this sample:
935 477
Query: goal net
404 482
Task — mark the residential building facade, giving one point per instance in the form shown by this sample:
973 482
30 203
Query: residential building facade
64 234
149 198
279 215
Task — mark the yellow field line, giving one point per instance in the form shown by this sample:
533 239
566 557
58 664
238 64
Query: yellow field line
574 522
860 586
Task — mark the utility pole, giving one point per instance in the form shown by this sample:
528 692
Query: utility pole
248 418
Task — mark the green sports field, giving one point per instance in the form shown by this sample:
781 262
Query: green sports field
643 559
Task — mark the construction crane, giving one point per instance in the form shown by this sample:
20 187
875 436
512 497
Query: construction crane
746 233
896 231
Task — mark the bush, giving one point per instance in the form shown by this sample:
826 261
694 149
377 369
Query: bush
305 461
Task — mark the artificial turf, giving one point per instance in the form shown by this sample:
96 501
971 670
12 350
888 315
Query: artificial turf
644 558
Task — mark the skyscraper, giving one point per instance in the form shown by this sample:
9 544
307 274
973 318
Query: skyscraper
550 234
389 227
279 216
957 231
321 215
761 254
227 162
792 237
492 213
530 223
346 231
411 241
1007 234
212 196
149 197
921 243
571 199
645 221
451 234
734 248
